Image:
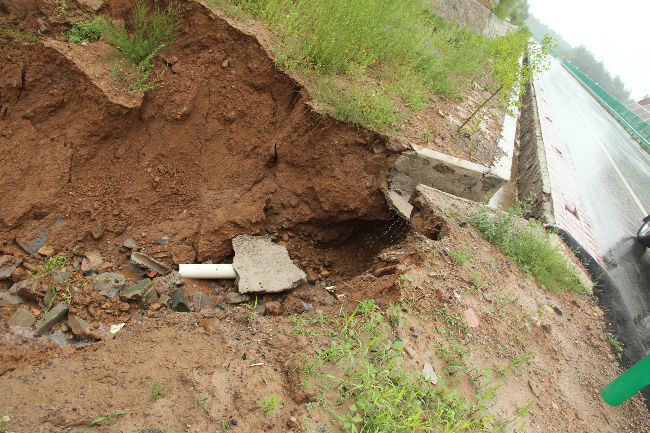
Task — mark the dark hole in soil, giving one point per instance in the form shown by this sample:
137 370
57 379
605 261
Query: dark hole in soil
430 225
347 248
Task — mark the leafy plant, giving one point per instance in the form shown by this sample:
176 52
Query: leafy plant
616 344
54 262
270 404
110 418
64 293
86 31
157 390
403 280
427 138
250 312
225 425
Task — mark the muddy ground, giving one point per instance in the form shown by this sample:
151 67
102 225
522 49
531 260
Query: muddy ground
231 145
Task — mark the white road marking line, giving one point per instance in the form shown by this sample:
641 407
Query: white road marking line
609 156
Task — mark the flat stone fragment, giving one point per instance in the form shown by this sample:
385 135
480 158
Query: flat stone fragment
50 318
202 301
263 266
22 317
429 373
180 303
236 298
143 293
6 271
110 283
77 324
471 318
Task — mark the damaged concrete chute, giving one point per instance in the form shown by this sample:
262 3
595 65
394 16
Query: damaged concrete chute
209 271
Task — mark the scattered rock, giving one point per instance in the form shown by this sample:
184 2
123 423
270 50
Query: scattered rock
46 251
77 324
91 261
430 374
22 317
168 283
263 266
312 276
236 298
98 231
60 276
59 338
131 244
105 267
12 299
202 301
109 284
324 273
19 274
91 5
471 318
180 302
50 318
6 259
94 332
225 63
27 289
273 308
142 292
558 311
50 294
7 271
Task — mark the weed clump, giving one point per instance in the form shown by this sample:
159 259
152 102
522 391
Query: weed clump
150 30
87 31
361 381
530 245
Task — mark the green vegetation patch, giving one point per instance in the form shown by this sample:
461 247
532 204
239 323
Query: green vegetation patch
530 245
361 380
397 52
87 31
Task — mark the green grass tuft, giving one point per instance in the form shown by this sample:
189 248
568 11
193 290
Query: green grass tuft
530 245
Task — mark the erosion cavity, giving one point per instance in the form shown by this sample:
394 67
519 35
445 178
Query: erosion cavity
221 149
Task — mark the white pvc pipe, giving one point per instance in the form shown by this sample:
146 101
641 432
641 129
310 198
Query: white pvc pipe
215 272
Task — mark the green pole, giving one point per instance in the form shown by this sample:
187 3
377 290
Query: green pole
627 384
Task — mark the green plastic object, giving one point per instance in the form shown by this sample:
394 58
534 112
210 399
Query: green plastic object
627 384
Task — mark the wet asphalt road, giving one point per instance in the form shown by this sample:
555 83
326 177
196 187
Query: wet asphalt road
613 174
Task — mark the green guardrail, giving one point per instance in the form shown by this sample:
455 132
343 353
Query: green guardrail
637 127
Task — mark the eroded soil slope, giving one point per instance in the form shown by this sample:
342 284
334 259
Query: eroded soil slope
226 146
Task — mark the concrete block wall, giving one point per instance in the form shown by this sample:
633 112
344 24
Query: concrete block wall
471 15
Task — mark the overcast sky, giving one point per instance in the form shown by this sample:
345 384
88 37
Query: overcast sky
616 32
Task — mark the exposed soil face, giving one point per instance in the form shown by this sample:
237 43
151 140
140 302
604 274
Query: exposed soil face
226 146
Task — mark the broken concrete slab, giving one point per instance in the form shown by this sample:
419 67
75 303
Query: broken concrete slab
22 317
202 301
447 173
398 204
110 283
142 292
263 266
50 318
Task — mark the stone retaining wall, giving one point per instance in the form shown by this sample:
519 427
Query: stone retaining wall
473 16
532 171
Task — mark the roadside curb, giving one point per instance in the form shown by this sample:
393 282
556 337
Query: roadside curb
609 297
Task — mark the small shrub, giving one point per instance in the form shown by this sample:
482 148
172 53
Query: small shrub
86 31
157 390
150 31
270 404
